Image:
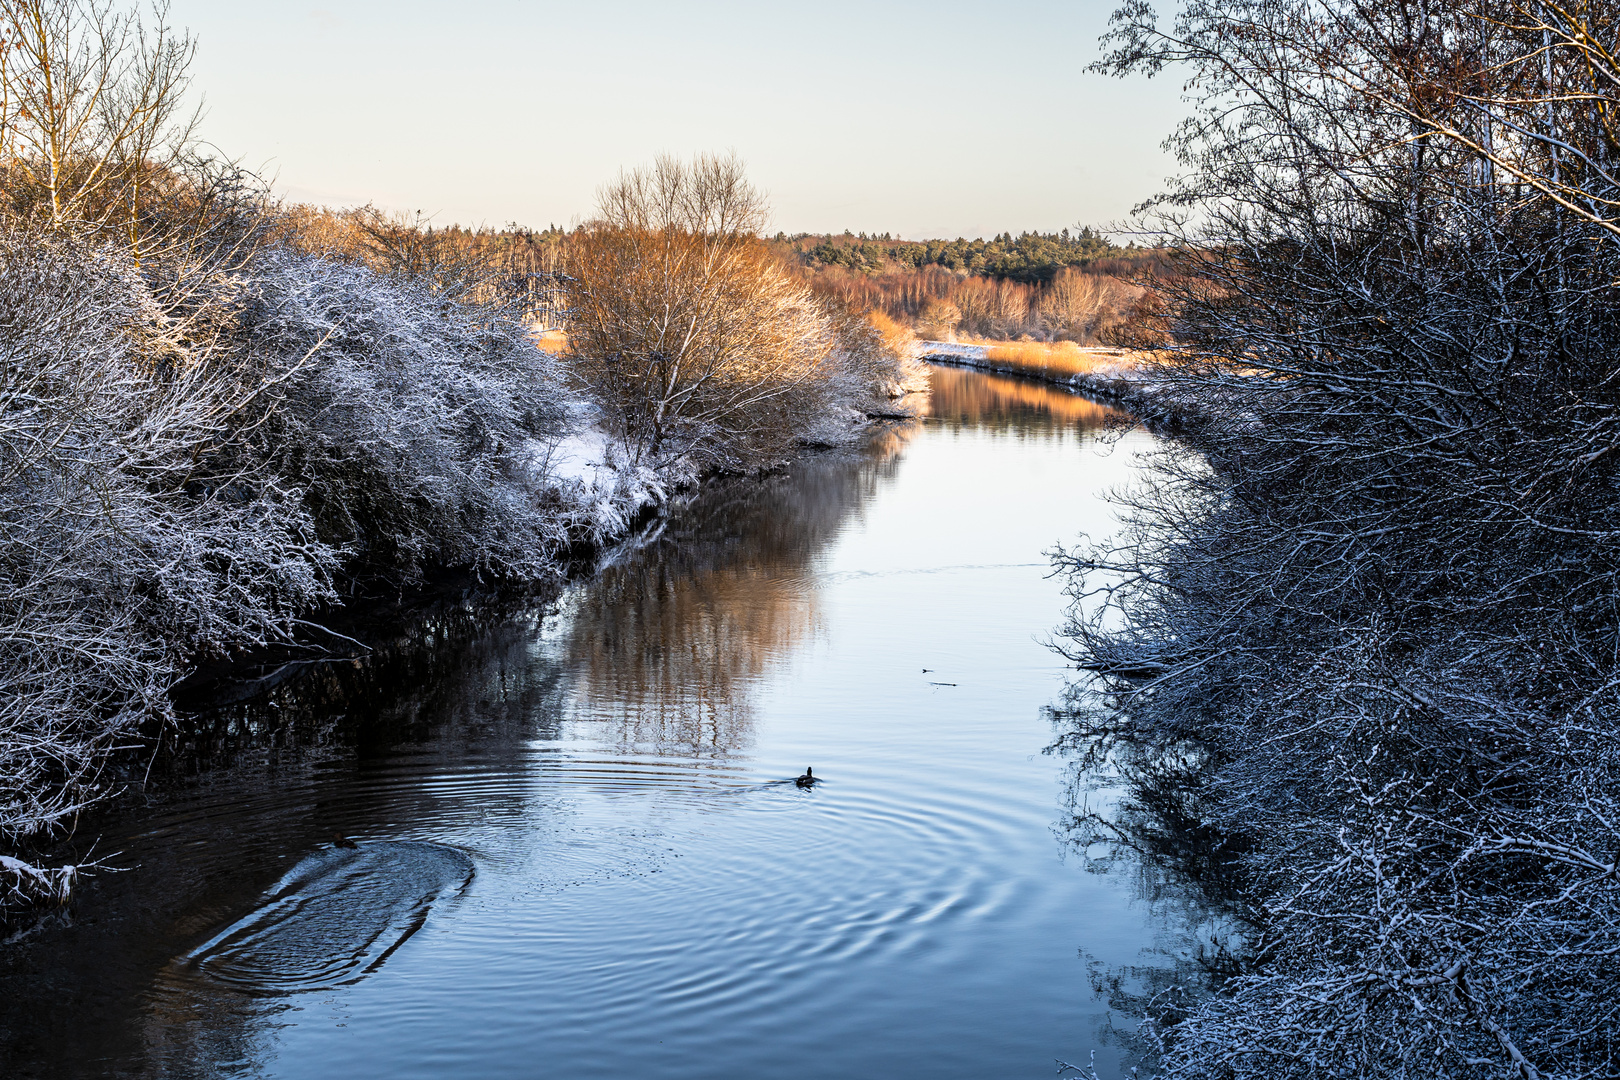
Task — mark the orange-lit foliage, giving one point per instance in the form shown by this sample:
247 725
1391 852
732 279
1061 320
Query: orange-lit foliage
897 338
1078 305
684 326
1102 301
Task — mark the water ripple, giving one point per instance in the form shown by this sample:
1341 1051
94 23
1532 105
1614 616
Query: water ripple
333 919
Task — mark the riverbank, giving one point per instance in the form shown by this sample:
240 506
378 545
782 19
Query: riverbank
645 899
271 701
1122 376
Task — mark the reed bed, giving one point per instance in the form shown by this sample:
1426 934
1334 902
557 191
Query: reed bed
1049 359
553 341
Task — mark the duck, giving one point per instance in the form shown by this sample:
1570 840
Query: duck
339 840
808 779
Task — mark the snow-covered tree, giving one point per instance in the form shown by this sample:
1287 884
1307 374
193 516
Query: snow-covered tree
1370 600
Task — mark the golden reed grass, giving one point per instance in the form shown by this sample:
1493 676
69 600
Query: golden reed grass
553 341
1054 359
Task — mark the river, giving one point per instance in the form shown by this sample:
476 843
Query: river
579 850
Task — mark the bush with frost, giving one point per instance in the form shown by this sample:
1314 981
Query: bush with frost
125 549
188 472
206 432
410 429
1362 633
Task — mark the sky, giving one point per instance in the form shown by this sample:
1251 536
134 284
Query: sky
937 119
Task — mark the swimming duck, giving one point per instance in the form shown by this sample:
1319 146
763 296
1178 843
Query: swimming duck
807 779
339 840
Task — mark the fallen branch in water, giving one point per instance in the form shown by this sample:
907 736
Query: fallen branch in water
23 884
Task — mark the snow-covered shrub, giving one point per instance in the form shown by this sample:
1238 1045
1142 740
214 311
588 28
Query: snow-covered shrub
204 428
876 358
120 555
1373 600
405 418
597 491
194 454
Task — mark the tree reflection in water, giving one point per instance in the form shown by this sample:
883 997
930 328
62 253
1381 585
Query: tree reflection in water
1133 809
667 645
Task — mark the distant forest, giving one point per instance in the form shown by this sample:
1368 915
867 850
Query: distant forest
1030 258
1064 286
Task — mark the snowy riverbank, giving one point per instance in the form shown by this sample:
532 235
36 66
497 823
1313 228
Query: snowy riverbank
1119 375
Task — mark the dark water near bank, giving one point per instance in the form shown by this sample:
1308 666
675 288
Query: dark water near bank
584 861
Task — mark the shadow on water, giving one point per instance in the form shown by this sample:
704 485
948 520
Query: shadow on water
174 967
1153 834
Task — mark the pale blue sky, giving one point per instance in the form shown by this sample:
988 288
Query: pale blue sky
922 119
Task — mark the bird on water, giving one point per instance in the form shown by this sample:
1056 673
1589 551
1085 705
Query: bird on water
339 840
807 779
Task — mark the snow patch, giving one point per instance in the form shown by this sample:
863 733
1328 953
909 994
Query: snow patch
601 491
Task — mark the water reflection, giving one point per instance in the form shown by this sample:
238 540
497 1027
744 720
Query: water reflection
668 645
962 398
1152 834
644 901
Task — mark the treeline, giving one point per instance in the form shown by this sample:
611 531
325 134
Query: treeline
940 305
1358 649
1044 287
1032 258
221 417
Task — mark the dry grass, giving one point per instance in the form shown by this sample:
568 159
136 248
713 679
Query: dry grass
553 341
897 338
1050 359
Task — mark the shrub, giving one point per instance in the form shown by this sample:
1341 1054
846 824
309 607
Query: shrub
1369 606
684 328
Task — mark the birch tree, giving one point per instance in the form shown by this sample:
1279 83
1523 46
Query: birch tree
91 111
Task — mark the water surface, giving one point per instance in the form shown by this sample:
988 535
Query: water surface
584 861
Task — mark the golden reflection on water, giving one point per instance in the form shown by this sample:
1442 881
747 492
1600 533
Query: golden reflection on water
964 398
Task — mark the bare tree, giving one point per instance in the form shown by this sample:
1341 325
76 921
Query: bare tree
90 109
1370 600
682 324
